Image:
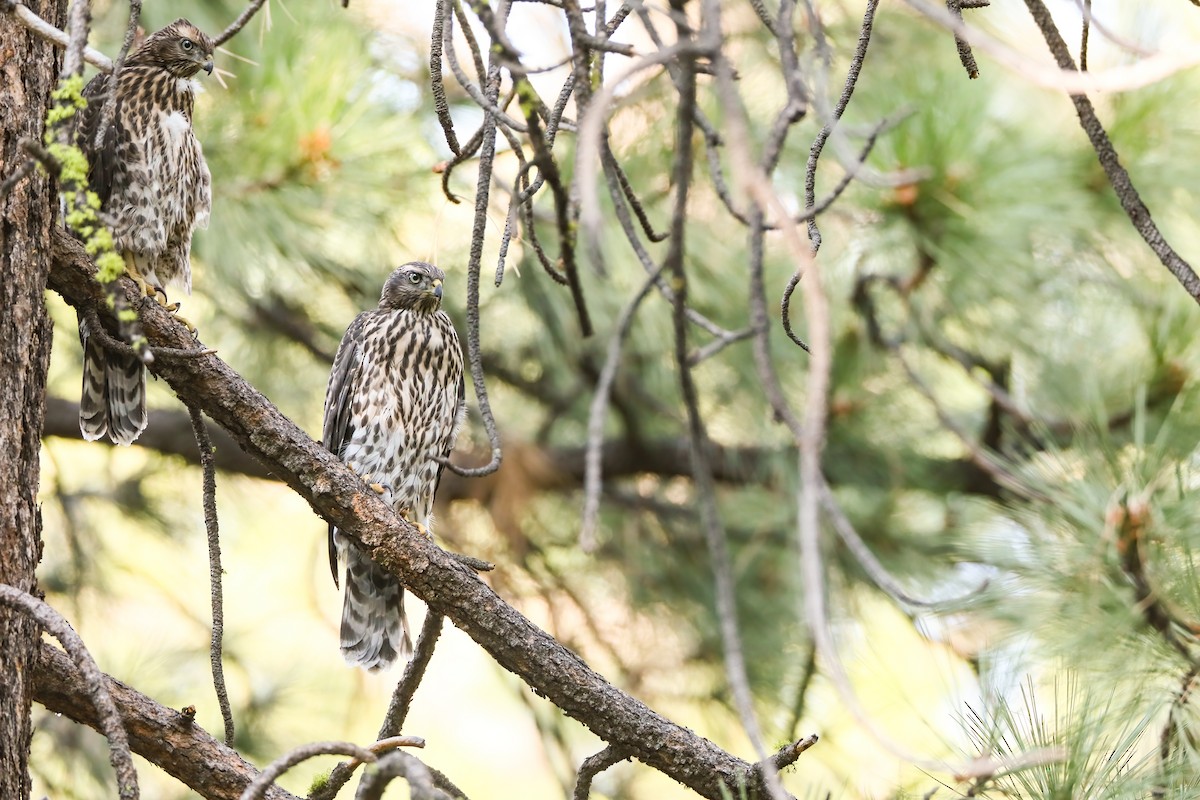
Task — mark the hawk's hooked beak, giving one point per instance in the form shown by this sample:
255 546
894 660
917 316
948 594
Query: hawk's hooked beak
208 67
437 288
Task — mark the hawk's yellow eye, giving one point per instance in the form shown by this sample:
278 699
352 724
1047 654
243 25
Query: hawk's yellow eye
186 44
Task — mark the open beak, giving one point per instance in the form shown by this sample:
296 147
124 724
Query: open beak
208 66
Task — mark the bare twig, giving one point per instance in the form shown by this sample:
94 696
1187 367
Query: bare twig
763 362
1083 35
399 764
18 175
591 127
131 30
440 105
1091 21
414 671
631 196
977 453
812 435
108 716
818 145
1167 737
78 26
870 564
485 99
239 23
300 754
1130 200
1145 72
795 709
621 209
52 34
592 766
964 48
705 491
107 108
788 754
468 33
110 342
474 263
209 467
597 413
701 354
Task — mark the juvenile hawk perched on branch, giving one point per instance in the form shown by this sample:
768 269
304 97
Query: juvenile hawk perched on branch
155 189
393 407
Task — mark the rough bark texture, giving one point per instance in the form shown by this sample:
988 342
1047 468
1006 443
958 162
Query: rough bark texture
161 735
27 74
447 586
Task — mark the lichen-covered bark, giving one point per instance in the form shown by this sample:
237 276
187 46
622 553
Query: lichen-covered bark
27 74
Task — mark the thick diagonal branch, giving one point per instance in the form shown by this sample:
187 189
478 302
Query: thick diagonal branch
448 587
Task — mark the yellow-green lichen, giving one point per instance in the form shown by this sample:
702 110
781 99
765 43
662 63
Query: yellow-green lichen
109 267
82 206
68 99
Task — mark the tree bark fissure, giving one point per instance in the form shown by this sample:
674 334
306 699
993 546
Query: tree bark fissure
27 73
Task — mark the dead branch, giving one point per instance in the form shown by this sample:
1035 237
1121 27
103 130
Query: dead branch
239 23
163 736
208 465
257 789
592 766
393 720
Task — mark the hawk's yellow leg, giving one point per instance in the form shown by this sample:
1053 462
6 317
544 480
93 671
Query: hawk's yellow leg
405 514
148 289
384 489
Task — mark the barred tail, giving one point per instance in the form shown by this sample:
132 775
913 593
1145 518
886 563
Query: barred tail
113 400
374 626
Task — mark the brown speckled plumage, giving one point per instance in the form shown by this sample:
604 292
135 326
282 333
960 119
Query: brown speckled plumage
394 404
154 189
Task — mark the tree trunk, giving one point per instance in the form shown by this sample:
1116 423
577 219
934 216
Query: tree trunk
28 68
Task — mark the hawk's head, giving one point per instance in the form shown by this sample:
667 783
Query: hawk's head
181 49
416 286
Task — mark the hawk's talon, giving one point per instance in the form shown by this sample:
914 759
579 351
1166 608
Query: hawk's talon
379 488
173 310
145 289
405 514
187 324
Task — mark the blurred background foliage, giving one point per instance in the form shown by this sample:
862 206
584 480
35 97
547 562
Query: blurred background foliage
1000 272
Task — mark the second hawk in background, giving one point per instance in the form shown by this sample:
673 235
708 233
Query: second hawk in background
155 189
